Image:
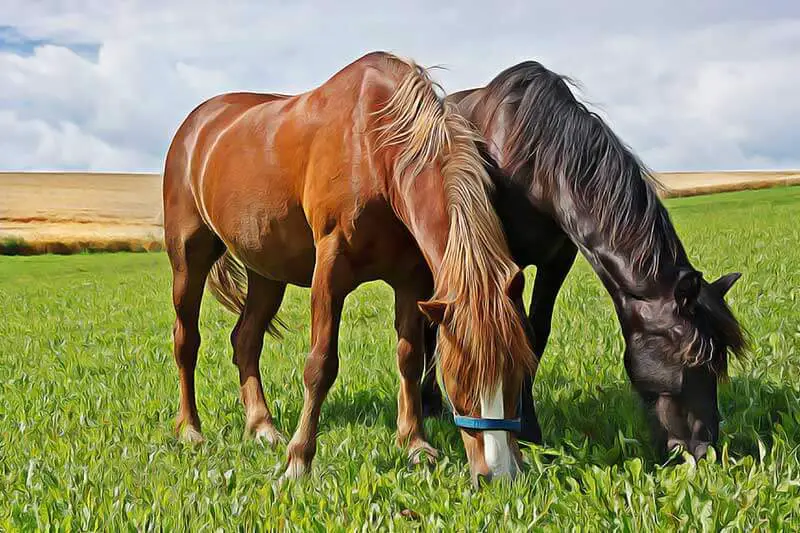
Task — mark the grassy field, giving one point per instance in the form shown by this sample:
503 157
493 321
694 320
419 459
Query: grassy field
88 394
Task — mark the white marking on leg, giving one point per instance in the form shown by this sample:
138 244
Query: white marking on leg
295 470
190 434
268 434
497 452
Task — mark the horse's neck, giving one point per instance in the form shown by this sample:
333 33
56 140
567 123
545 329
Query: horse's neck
419 202
619 270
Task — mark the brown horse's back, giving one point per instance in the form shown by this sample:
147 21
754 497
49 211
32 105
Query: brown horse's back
185 156
266 174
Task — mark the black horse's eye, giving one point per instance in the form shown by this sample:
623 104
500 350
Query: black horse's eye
678 332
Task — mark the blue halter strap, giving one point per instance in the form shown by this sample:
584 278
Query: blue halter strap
513 425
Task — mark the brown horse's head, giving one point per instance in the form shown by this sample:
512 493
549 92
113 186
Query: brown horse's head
484 348
483 357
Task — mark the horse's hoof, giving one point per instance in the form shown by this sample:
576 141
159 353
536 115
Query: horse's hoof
267 434
423 453
531 435
191 435
295 470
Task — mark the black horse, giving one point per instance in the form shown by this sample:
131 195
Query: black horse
568 183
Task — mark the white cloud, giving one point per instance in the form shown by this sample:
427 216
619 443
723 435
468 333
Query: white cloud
65 144
687 85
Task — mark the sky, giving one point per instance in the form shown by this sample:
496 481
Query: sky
688 85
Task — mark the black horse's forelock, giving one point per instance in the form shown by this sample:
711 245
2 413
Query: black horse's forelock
717 333
563 140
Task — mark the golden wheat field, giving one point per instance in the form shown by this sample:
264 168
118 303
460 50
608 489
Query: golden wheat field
65 212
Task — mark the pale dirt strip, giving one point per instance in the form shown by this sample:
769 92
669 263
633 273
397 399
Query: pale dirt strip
697 183
64 212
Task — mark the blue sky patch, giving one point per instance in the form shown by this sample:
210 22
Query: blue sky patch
14 41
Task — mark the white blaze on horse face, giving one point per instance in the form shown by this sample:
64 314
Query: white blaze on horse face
499 458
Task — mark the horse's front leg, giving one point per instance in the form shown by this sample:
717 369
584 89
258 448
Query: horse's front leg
409 323
549 279
332 281
432 404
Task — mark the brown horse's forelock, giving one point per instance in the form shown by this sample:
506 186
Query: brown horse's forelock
484 328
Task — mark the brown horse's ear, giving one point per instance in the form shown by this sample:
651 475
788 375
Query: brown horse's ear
724 283
516 286
687 288
434 310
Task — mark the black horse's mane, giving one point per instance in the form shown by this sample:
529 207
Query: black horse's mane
566 143
563 140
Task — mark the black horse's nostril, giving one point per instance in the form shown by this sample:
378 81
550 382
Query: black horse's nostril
700 451
676 444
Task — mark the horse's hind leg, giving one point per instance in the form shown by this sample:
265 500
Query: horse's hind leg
264 297
192 254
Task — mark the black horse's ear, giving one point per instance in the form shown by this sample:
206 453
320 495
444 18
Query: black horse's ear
433 310
516 285
687 288
724 283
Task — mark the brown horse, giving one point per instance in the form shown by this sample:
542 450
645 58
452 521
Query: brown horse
369 176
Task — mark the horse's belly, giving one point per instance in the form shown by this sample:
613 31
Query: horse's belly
381 247
276 243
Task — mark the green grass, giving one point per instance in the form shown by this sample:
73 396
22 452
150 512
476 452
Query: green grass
88 394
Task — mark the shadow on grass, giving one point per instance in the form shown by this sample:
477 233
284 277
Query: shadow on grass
608 426
752 409
367 407
379 409
605 426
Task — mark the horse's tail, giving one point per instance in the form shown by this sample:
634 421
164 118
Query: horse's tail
227 282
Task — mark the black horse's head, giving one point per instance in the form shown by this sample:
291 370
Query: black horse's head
677 350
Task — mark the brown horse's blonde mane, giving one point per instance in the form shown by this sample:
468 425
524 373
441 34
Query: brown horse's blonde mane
482 324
